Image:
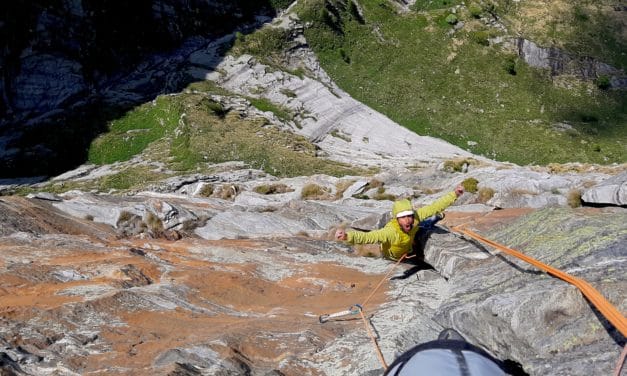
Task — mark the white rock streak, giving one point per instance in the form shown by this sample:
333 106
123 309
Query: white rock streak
347 130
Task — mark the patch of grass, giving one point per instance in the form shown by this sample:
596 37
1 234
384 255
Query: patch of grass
298 72
451 19
384 196
263 104
313 191
481 37
204 138
428 191
128 179
423 5
470 185
475 10
125 216
269 189
485 194
341 187
401 65
335 133
375 183
510 65
288 93
227 191
215 107
603 82
154 222
574 198
52 187
131 134
458 164
206 86
206 190
267 44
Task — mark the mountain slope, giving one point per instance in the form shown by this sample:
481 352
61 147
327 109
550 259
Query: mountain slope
468 83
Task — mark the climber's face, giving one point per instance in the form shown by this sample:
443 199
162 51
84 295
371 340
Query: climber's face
406 222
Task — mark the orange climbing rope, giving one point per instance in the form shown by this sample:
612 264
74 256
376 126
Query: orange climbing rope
358 308
403 257
363 317
374 340
621 360
606 308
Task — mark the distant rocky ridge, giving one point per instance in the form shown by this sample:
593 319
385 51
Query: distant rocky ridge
71 52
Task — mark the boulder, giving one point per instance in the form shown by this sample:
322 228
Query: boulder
612 191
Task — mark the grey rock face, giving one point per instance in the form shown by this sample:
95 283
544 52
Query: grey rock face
612 191
323 109
76 47
67 60
524 315
48 81
559 62
519 187
241 293
269 267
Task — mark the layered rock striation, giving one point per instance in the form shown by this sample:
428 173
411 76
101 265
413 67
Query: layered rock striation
240 287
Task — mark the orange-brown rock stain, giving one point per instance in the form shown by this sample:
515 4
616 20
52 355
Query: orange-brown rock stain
230 308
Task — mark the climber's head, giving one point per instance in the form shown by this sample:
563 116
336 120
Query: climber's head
403 211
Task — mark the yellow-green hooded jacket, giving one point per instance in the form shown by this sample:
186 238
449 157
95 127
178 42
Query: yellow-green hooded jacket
394 241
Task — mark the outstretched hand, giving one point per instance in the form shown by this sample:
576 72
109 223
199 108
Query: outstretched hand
340 234
459 190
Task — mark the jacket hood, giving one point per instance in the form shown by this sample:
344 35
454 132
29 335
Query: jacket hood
402 208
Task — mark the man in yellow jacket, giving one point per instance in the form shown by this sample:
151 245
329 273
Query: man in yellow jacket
397 236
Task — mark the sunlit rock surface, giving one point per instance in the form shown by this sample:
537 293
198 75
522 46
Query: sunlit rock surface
81 296
612 191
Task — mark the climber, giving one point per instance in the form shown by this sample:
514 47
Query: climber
397 236
450 355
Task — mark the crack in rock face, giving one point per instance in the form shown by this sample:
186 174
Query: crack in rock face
77 298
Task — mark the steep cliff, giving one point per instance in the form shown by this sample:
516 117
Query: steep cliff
67 67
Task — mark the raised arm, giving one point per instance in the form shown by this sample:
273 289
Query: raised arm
440 204
383 235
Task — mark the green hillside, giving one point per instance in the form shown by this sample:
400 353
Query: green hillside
440 74
414 66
